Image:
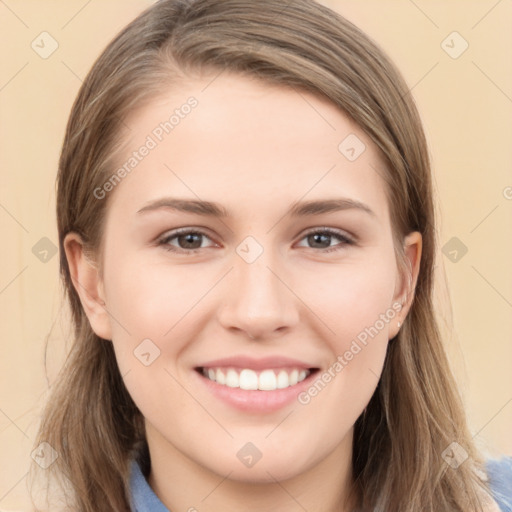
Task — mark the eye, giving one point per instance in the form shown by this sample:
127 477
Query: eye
184 240
189 241
322 238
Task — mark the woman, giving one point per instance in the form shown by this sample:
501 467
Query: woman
228 355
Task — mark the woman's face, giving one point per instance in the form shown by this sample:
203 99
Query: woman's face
285 270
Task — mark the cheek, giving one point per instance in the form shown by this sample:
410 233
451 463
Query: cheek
151 300
355 303
351 297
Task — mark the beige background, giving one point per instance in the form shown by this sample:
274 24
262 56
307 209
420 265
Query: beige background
466 104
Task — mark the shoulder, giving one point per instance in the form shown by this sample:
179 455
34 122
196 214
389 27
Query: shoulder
499 472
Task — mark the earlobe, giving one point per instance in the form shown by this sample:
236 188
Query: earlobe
406 282
88 284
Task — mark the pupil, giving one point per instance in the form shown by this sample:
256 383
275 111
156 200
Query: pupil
189 240
317 238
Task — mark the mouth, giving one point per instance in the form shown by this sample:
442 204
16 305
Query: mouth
254 385
252 380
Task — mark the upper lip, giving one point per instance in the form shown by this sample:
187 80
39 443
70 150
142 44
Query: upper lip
257 363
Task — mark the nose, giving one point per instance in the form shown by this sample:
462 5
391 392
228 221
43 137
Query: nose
258 300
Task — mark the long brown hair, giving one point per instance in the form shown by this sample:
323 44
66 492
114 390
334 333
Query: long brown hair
416 411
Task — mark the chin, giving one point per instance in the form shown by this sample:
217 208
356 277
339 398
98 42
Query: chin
264 474
276 465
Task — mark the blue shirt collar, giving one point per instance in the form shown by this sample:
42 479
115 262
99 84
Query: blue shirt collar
143 497
499 472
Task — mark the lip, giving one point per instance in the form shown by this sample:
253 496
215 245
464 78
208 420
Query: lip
255 401
251 363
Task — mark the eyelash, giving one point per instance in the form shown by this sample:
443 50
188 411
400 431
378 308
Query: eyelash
164 241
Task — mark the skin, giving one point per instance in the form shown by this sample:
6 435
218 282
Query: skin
256 149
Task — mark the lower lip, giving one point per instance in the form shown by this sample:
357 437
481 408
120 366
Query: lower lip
256 401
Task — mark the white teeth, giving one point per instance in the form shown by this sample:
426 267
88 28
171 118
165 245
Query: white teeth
232 379
248 379
267 380
220 376
282 380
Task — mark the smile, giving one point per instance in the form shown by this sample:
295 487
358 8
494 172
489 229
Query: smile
247 379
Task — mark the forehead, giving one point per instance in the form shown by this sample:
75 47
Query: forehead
232 139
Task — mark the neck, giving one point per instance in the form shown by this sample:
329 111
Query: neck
182 484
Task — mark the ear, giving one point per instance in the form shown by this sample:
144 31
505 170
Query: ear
88 284
406 280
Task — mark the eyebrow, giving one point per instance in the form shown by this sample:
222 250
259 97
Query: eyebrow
298 209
